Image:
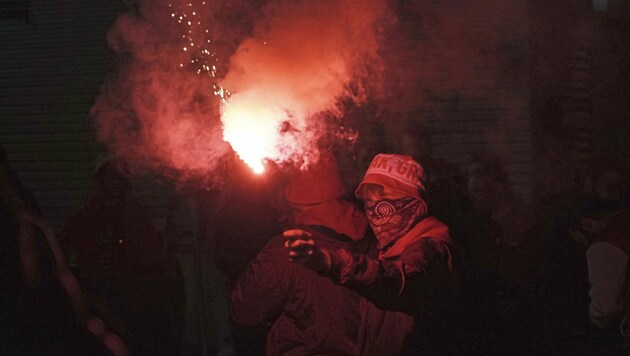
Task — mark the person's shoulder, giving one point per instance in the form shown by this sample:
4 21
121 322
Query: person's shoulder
275 243
275 255
431 226
87 212
619 224
432 231
433 220
132 207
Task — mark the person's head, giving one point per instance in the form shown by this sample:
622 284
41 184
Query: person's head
602 193
487 181
109 179
317 196
604 183
317 183
393 192
395 174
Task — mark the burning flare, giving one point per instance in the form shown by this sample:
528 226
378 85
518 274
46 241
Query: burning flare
251 131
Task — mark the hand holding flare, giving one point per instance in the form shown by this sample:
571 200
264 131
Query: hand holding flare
302 249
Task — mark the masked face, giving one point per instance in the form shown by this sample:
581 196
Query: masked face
393 218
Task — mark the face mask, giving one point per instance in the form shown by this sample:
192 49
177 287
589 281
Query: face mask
392 219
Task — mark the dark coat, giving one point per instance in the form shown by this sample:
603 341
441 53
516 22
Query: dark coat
408 284
307 314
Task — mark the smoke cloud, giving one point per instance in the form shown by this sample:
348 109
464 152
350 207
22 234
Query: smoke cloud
157 111
302 61
288 72
292 62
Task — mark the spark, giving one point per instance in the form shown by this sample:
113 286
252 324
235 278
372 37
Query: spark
245 127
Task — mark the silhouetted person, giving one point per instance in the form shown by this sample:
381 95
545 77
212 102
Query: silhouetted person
43 310
504 221
572 220
306 313
605 229
116 252
475 303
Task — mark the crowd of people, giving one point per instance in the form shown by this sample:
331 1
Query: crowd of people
406 262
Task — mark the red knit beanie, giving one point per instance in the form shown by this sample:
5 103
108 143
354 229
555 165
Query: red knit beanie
318 183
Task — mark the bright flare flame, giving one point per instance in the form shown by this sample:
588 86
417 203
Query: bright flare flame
252 129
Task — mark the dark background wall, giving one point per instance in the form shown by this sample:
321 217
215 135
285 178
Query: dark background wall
54 58
579 90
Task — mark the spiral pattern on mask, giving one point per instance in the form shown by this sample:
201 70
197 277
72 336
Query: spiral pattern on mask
382 212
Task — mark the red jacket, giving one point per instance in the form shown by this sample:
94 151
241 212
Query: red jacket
403 286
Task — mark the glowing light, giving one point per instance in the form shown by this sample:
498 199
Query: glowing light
251 127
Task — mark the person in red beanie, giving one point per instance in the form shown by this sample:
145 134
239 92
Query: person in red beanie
406 288
306 314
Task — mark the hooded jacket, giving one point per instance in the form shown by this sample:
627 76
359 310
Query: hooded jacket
405 285
306 313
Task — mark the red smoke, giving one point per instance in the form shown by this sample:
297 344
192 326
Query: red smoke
158 110
304 57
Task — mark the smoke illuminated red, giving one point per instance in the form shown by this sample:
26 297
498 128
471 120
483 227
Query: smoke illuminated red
158 112
301 61
165 111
